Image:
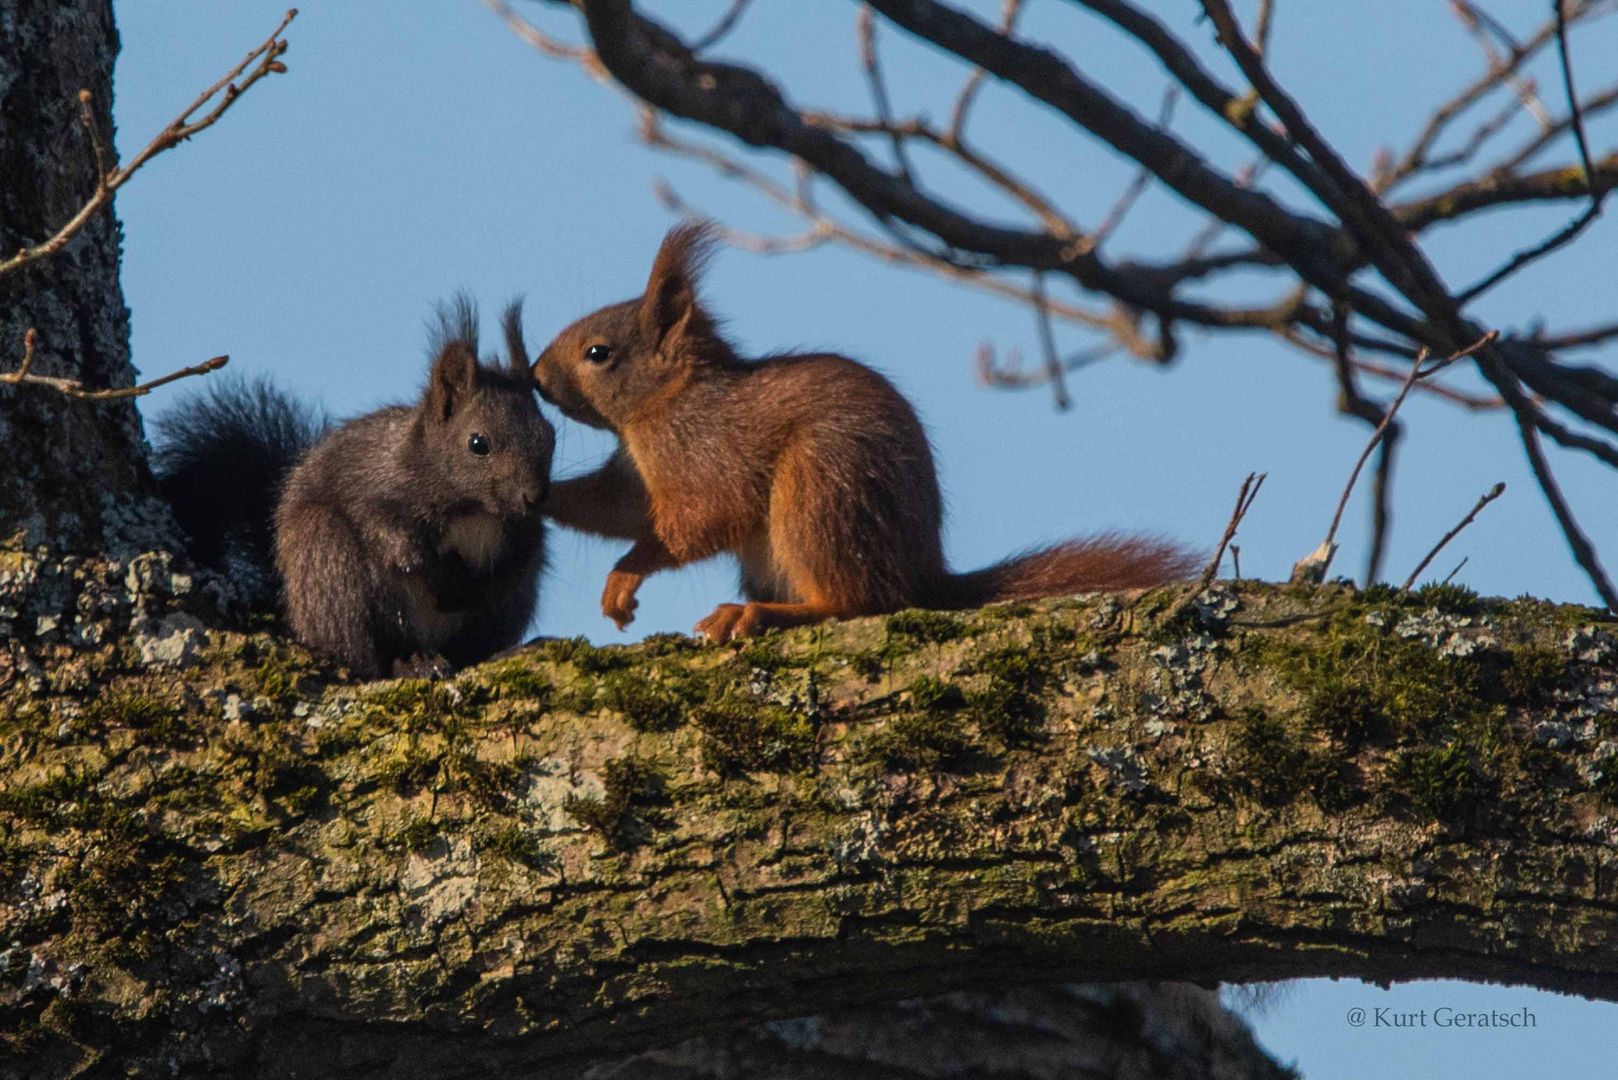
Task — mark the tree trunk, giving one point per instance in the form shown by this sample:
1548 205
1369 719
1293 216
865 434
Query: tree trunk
256 870
75 478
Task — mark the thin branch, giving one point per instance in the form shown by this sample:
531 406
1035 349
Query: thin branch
1009 11
1488 497
1596 183
227 90
1381 503
537 38
1416 158
1047 342
1575 117
727 22
1137 185
1563 236
1263 25
872 64
1449 577
1482 26
1244 503
74 388
1577 339
1314 566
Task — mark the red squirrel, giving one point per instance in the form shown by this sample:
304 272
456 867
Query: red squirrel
810 468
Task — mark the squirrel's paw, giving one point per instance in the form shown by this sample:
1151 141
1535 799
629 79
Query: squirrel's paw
727 621
618 601
423 666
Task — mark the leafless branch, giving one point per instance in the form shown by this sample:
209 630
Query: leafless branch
110 179
73 388
727 22
1047 342
871 62
1009 11
1488 497
1307 569
1244 503
1137 184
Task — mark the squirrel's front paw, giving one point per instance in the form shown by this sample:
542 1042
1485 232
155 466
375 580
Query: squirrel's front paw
422 666
725 622
618 601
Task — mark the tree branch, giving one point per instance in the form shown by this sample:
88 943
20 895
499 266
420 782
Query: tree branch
576 848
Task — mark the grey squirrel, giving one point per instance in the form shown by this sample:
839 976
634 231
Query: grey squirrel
402 540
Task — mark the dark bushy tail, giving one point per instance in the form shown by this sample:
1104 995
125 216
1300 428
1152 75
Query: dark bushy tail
1093 564
221 457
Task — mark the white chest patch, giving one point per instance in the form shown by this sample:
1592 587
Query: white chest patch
477 538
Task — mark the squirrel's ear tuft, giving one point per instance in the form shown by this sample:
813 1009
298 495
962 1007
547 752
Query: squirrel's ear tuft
454 380
671 292
517 358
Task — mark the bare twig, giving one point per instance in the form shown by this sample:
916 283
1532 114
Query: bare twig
1009 10
1488 497
871 62
727 22
1315 565
1449 577
1574 115
1244 503
73 388
109 180
1236 561
1047 343
1263 24
538 39
1137 185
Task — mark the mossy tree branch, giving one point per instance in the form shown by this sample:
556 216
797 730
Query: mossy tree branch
260 870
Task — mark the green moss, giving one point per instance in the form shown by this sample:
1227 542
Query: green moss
1268 759
1346 711
1532 674
419 834
1445 781
1009 708
138 712
629 809
921 740
646 704
933 695
118 891
741 736
1447 597
869 664
515 680
764 652
58 799
934 627
587 658
1359 680
514 843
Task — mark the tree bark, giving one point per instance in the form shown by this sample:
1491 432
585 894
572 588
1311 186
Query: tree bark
76 478
259 870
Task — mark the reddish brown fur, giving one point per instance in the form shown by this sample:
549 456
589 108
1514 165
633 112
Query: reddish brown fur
811 468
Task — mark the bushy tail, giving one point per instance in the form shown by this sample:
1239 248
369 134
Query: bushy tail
1093 564
221 457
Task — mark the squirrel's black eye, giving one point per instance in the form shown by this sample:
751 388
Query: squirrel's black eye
598 354
478 444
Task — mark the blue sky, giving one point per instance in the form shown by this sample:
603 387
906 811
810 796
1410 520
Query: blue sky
418 149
